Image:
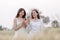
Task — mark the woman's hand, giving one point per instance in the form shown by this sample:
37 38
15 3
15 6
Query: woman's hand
27 22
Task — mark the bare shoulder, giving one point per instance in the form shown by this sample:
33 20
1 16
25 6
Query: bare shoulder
41 20
15 19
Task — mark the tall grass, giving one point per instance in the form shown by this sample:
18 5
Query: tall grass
45 34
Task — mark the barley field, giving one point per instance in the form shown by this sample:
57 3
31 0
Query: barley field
45 34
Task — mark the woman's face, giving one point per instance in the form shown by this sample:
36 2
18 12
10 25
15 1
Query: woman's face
34 14
21 13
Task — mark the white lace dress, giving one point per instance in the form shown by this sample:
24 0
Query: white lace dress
20 34
35 27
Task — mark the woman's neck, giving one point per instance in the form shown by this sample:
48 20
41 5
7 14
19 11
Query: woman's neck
35 18
19 17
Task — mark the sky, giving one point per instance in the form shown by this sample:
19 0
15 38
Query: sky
9 8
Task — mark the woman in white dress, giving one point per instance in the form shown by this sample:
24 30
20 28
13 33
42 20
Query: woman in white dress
19 25
35 24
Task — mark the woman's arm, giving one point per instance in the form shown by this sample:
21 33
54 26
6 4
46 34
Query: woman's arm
27 21
28 27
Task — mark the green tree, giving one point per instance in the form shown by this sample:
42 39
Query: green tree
55 23
1 27
46 20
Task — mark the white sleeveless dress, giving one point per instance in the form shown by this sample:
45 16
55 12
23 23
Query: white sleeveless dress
20 34
35 28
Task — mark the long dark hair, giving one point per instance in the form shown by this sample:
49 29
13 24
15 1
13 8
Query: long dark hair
21 9
38 16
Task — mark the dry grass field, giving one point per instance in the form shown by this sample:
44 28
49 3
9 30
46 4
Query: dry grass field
45 34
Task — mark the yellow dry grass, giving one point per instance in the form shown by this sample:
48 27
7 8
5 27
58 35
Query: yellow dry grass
45 34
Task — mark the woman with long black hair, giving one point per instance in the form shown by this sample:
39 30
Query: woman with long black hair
19 25
34 24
